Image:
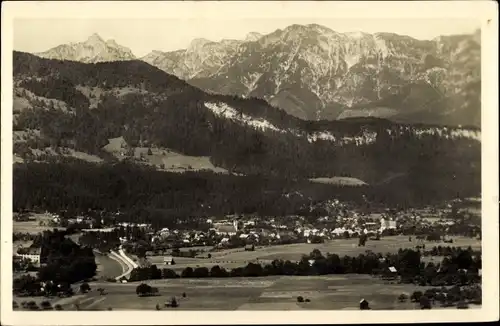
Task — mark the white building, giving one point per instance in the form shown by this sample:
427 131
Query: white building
33 254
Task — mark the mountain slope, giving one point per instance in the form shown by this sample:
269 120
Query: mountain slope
202 58
64 104
94 49
315 73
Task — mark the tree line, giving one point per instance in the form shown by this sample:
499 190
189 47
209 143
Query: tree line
459 268
165 199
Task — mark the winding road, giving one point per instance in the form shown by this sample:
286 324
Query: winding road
127 264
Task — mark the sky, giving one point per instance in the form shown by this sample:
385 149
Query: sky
144 35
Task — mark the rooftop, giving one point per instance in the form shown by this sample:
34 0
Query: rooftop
29 251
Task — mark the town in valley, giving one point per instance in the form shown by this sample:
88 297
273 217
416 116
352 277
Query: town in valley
293 168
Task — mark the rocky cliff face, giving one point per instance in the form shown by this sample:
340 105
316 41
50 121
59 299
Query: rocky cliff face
93 50
315 73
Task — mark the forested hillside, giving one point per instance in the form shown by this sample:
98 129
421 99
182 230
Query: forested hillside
81 106
146 195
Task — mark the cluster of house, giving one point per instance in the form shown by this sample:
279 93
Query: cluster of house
266 231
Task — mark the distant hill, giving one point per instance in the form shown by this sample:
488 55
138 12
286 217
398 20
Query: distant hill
78 106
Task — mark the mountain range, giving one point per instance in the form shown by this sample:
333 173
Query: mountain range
315 73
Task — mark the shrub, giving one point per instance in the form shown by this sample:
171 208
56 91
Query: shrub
415 296
402 297
32 305
85 287
58 307
143 289
425 302
307 300
46 305
300 299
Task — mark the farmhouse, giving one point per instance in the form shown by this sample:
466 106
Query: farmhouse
168 260
33 254
390 273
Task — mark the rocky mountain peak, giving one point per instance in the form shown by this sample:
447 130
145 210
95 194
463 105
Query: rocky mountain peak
112 43
94 39
252 36
92 50
197 44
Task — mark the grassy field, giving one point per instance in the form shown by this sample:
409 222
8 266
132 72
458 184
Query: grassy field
339 247
171 161
238 257
33 226
336 292
345 181
176 162
107 267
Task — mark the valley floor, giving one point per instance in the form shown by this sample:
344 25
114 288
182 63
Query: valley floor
231 258
332 292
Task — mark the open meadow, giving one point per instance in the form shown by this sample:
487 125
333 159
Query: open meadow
108 267
239 257
38 223
333 292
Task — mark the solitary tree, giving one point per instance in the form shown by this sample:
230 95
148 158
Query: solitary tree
425 303
415 296
403 297
46 305
85 287
143 289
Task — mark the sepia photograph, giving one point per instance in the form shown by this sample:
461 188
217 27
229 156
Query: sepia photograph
318 158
